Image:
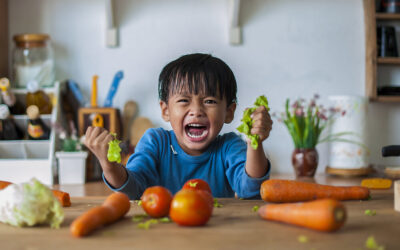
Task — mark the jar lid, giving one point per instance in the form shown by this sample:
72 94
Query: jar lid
31 40
33 112
4 111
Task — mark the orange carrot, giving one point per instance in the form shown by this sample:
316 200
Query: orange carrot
61 196
114 208
4 184
323 215
294 191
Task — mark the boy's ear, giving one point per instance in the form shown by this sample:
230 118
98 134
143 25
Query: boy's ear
164 111
230 113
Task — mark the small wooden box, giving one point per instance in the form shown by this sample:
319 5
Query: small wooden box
109 116
111 122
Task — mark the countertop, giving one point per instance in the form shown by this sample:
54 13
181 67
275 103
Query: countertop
233 226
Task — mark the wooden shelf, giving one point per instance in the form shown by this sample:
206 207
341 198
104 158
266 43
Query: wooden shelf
371 51
388 98
387 16
388 60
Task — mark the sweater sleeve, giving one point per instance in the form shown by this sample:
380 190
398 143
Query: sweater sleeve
142 166
235 160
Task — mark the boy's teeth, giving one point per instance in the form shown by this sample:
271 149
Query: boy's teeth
195 125
197 135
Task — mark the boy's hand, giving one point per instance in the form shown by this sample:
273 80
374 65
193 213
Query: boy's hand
262 123
96 139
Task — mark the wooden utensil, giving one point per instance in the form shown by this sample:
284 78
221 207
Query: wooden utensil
128 114
137 129
93 100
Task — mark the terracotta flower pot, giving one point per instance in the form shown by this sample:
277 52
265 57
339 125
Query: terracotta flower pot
305 162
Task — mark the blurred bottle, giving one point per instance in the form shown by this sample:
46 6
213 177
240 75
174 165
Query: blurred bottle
389 6
15 106
387 42
8 128
38 97
37 129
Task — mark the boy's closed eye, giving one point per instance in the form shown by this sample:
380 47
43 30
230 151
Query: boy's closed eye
183 100
210 101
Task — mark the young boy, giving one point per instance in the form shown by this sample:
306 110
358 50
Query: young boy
197 95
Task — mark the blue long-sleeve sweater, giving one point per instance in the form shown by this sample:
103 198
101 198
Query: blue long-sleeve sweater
159 160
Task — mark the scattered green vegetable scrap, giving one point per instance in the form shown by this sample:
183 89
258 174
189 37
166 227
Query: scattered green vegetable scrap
114 151
217 204
255 208
247 121
164 220
302 239
372 244
370 212
139 217
146 225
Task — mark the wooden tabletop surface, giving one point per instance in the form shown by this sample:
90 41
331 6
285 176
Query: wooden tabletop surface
233 226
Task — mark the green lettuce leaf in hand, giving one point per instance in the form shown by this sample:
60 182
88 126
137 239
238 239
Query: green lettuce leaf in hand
247 121
114 151
29 204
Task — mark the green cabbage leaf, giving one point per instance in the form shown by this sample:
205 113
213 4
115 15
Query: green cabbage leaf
114 150
247 121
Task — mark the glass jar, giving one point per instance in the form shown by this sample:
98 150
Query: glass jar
33 60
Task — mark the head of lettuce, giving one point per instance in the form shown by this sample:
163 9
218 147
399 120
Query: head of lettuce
30 204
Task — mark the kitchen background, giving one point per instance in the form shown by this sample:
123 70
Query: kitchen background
290 49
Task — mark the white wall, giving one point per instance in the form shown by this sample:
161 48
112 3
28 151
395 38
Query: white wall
290 49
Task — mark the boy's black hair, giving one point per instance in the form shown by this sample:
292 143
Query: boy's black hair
198 73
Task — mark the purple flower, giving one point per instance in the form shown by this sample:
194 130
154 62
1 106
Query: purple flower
299 112
322 116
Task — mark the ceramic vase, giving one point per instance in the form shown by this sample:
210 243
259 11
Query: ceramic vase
305 162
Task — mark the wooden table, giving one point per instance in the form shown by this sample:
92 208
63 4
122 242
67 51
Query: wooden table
233 226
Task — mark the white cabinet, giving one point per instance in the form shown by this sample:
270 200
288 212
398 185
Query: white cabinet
20 160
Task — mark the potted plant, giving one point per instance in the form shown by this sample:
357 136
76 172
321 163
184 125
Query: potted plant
305 122
72 159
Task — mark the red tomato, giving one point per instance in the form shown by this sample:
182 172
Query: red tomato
156 201
191 207
197 184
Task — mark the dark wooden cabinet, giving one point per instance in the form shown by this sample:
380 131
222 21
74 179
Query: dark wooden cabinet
4 38
372 61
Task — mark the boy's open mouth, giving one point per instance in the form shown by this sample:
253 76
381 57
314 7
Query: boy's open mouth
196 131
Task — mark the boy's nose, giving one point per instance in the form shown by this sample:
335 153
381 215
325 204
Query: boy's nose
196 110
